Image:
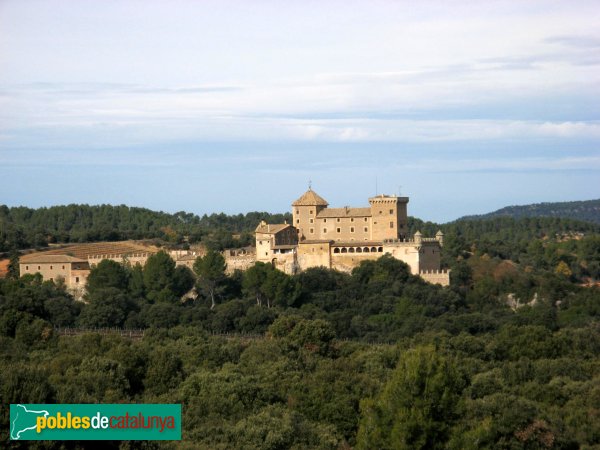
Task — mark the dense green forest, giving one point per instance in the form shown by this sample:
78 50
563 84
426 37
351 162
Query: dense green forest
587 210
22 227
506 357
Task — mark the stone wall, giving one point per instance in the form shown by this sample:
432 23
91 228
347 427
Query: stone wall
436 277
49 271
239 262
314 254
132 258
347 261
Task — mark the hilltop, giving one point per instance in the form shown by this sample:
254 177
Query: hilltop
587 210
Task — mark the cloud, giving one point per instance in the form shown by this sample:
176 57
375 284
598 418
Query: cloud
524 164
588 42
356 107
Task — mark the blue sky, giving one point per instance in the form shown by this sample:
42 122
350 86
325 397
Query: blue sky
234 106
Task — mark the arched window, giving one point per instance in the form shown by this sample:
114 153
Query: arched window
351 250
344 250
359 250
373 249
366 249
336 250
380 249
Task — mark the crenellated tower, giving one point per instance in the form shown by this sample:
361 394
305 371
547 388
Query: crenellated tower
389 217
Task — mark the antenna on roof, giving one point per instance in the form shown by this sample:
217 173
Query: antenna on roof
310 185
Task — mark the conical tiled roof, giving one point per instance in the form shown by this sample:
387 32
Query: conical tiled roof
310 198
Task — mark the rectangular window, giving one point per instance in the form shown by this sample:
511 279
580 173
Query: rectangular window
310 212
63 267
76 279
338 219
365 219
351 229
312 231
297 220
324 220
312 220
339 230
324 230
26 267
352 219
391 224
297 211
50 267
39 268
391 211
366 229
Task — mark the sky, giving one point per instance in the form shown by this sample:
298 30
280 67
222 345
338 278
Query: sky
236 106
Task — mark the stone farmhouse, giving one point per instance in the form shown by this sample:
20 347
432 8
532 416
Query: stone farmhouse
72 263
340 238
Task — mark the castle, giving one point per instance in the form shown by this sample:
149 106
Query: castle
340 238
335 238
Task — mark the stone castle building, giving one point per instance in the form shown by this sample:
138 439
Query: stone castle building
335 238
340 238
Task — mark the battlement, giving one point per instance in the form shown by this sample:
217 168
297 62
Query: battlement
441 276
120 255
386 199
410 241
434 272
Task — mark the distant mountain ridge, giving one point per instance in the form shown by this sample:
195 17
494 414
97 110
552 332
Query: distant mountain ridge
587 210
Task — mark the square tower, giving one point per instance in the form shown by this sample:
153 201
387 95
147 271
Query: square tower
389 217
304 213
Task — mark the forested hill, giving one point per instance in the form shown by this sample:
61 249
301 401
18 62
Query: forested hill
22 227
588 210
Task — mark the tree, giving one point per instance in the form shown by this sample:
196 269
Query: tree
270 285
418 405
254 279
107 274
211 273
136 282
107 308
183 280
563 270
281 289
13 265
158 277
165 371
303 335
